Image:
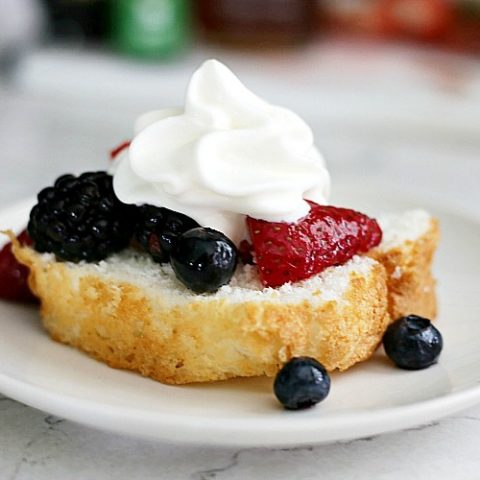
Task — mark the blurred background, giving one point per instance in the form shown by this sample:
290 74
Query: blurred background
391 88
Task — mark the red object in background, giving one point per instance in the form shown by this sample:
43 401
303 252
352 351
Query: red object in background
13 275
447 23
256 23
424 19
114 152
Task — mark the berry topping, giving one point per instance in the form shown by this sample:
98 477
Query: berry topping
14 275
118 149
412 343
301 383
245 252
327 236
158 228
203 259
80 218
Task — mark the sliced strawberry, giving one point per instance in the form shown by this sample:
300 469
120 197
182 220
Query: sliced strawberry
13 275
327 236
118 149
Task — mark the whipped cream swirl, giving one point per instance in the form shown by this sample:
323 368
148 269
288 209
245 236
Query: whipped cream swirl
227 154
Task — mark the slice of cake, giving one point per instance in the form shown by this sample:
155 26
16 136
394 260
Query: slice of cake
133 313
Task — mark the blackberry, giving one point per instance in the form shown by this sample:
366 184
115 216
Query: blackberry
80 218
158 228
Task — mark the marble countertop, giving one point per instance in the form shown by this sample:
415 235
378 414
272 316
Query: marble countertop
42 137
37 446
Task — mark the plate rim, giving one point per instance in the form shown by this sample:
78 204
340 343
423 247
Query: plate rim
180 428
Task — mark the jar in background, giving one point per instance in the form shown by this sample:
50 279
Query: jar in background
77 21
149 28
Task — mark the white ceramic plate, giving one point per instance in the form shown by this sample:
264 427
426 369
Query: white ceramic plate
371 398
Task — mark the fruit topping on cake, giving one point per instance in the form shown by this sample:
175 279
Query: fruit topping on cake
80 218
13 275
158 228
245 252
327 236
204 259
119 149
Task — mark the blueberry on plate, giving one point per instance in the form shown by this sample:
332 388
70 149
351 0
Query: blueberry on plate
412 343
301 383
203 259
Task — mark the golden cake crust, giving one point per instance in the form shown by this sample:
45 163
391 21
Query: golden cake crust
411 285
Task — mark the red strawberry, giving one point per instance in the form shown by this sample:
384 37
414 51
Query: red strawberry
327 236
13 275
118 149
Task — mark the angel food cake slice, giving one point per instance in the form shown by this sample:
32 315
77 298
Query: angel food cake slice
209 250
134 314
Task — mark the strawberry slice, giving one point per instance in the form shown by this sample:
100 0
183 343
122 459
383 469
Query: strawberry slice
118 149
327 236
13 275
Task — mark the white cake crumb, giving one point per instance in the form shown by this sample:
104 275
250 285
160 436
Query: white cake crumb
399 228
397 273
139 269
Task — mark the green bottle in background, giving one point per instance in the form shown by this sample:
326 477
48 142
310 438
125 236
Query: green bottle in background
149 28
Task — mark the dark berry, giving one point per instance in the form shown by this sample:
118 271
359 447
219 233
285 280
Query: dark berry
203 259
245 252
13 275
158 228
80 218
412 343
301 383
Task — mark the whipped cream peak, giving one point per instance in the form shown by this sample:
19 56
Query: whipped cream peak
226 154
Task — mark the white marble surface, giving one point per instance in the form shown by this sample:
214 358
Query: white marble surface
43 136
37 446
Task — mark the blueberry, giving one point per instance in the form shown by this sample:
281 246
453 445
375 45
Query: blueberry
301 383
412 343
203 259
